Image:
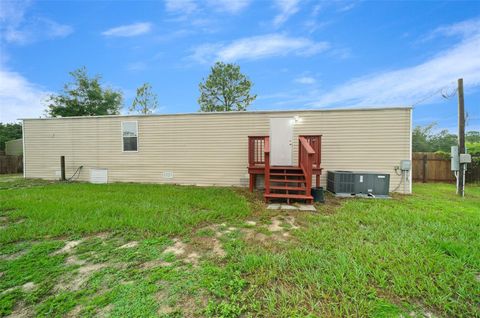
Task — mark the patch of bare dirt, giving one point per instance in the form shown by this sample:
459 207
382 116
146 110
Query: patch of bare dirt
192 306
178 248
208 245
252 235
155 263
164 309
276 225
84 273
21 310
28 286
14 256
192 258
69 246
73 260
105 311
291 221
75 312
218 248
129 245
251 223
102 235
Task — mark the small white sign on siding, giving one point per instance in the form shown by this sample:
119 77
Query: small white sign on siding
98 175
167 174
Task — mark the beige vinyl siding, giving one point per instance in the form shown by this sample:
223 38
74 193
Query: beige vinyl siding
212 149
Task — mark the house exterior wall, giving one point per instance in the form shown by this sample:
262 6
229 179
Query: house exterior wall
212 148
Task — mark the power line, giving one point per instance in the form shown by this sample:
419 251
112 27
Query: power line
444 92
439 91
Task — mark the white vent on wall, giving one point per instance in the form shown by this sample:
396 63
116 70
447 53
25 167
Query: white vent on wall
98 175
167 174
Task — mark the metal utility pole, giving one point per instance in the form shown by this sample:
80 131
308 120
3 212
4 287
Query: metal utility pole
461 138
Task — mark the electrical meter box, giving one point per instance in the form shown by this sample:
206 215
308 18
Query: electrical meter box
465 158
454 162
405 165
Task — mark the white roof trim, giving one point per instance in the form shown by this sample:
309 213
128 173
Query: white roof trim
230 112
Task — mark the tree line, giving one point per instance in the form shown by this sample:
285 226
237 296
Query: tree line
225 89
425 139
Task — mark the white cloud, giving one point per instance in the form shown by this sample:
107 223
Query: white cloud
346 7
464 28
16 27
13 12
137 66
129 30
287 9
257 47
230 6
305 80
409 85
19 98
181 6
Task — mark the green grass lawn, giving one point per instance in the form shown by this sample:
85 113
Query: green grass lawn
135 250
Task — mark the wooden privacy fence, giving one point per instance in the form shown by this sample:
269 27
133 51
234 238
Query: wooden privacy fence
433 167
11 164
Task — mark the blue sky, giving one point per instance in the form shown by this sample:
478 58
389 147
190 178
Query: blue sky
299 54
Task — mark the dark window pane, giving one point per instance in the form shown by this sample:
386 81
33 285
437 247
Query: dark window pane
129 143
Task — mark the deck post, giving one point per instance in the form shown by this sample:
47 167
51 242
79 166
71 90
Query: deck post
267 165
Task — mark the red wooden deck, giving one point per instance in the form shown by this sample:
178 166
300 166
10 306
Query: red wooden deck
286 182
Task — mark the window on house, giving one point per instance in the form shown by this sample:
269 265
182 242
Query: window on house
130 135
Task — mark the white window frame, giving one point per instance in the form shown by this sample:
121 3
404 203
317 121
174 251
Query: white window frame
136 132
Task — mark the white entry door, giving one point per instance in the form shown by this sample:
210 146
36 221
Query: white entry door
281 134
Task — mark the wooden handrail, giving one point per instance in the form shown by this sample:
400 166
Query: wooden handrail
266 150
267 144
308 148
315 142
306 158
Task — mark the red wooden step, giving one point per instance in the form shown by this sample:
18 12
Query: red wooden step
288 196
287 181
286 174
286 167
288 188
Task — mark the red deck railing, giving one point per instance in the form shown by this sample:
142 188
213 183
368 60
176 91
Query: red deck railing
315 142
267 165
256 153
309 159
306 156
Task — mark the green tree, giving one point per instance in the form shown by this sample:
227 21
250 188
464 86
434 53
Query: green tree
443 141
9 132
472 136
146 101
225 89
424 139
84 97
420 138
